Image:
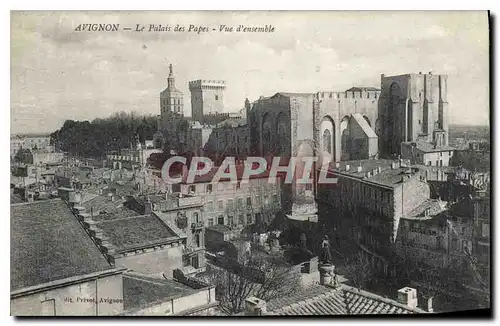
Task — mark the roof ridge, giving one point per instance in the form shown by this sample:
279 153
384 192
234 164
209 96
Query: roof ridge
374 296
36 202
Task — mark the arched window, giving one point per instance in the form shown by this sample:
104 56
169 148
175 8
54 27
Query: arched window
327 141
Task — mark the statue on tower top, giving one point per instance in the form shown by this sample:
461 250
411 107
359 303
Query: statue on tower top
171 68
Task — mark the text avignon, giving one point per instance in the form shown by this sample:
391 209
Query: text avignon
97 27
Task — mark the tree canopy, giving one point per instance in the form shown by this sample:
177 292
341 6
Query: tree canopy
96 138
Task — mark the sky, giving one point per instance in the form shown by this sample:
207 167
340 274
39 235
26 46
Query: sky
59 74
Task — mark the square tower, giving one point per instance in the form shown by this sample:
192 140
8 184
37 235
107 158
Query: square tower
413 107
207 97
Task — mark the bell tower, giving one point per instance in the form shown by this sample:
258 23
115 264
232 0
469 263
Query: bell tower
171 99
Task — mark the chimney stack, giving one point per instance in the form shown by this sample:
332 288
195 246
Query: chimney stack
429 305
408 297
255 307
148 206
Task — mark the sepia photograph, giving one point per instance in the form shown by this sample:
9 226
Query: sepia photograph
250 163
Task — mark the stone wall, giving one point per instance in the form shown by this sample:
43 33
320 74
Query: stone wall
153 262
71 300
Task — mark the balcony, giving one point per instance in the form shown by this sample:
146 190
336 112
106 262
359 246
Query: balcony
197 225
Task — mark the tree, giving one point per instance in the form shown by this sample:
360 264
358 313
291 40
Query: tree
97 138
359 271
254 273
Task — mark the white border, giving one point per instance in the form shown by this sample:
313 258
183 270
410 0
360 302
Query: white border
194 5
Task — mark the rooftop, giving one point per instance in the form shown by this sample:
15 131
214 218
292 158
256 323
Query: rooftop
429 147
99 203
426 210
15 199
387 176
135 232
48 244
140 291
287 94
115 214
363 89
345 300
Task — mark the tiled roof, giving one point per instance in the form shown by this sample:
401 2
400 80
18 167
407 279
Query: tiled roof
117 213
48 244
15 199
322 300
387 176
432 206
102 203
135 232
140 291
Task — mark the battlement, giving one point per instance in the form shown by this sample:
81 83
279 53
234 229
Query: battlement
349 95
203 84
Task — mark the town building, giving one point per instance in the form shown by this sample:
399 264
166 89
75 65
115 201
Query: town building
481 244
367 203
184 214
131 159
38 156
29 142
426 154
56 269
153 296
235 204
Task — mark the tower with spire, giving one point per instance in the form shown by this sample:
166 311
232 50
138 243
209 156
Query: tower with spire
171 99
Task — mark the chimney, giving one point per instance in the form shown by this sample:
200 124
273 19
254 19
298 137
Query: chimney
255 307
394 165
360 168
347 167
148 207
429 305
408 297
